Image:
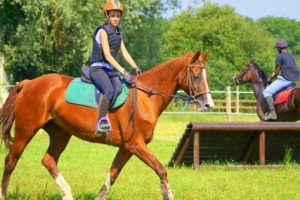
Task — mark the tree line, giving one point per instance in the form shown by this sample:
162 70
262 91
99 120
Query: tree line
39 37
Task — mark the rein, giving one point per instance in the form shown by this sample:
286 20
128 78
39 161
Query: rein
191 98
254 82
151 91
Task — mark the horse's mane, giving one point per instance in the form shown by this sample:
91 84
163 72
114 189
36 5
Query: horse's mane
162 65
261 72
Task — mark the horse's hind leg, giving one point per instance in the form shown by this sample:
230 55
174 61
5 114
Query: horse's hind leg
58 142
22 138
120 160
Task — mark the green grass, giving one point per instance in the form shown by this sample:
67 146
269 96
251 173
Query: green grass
85 166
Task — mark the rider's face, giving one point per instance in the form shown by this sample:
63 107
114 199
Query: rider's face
114 18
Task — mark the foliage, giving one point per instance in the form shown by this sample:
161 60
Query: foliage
38 37
50 35
288 29
229 37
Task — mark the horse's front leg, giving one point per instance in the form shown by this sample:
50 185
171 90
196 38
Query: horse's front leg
141 150
120 160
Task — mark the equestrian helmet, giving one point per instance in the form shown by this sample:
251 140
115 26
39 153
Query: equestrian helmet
281 43
113 5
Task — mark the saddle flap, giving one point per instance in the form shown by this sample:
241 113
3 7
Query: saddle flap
282 97
85 77
82 93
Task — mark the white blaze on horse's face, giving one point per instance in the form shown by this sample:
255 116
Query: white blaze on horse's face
208 102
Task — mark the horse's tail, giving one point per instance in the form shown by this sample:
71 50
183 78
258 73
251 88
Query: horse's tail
7 115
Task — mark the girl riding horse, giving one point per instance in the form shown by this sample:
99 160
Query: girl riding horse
107 42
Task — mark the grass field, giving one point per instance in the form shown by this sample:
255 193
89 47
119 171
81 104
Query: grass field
85 167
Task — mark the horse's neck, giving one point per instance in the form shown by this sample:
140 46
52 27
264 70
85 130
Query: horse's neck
258 89
163 78
257 84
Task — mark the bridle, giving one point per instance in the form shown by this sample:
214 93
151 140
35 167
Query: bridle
245 73
191 79
192 98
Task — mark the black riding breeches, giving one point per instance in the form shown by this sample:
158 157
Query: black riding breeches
103 83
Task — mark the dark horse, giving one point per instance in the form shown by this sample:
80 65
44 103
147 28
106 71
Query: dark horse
288 111
40 104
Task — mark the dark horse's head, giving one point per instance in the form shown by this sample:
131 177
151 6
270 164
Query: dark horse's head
250 73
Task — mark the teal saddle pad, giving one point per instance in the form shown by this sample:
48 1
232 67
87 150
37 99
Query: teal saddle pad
81 93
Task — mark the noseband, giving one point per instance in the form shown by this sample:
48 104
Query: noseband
247 79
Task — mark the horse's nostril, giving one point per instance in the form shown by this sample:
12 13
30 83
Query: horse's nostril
207 106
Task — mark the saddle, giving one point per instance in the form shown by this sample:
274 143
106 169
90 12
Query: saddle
81 91
283 95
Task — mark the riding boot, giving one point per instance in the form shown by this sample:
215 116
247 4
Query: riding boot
271 115
103 124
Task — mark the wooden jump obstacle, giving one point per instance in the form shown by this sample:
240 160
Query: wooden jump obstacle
247 142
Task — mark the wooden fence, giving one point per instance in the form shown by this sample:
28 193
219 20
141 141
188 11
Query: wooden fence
229 102
239 143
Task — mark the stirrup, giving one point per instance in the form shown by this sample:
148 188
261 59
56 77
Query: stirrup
103 126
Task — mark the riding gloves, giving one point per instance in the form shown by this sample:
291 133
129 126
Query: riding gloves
127 76
138 71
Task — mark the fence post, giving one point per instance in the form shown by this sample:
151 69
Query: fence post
237 100
228 104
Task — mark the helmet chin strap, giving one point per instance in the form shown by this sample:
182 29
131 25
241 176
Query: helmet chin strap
106 15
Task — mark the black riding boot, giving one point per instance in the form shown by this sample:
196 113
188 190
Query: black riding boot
103 124
271 115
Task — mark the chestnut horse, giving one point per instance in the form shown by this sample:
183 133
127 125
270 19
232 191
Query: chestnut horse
40 104
288 111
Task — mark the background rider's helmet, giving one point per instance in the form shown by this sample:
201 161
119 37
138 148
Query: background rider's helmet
112 5
281 43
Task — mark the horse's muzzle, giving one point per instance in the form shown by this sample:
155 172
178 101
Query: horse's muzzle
205 105
237 81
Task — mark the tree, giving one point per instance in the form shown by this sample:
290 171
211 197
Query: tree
230 38
288 29
42 36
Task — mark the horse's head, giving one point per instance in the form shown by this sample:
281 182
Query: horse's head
250 73
193 81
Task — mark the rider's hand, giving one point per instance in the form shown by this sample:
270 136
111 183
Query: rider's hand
138 71
269 80
127 76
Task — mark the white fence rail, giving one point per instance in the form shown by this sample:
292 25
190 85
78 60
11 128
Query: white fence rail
229 102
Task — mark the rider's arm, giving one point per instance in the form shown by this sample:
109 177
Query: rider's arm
105 47
276 72
127 56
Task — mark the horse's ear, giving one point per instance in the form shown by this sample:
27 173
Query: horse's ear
204 56
195 57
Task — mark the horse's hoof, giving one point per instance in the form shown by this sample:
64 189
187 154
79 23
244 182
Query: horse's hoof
2 196
168 196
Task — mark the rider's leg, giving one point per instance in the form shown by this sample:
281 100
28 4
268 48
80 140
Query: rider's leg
101 80
271 115
279 84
